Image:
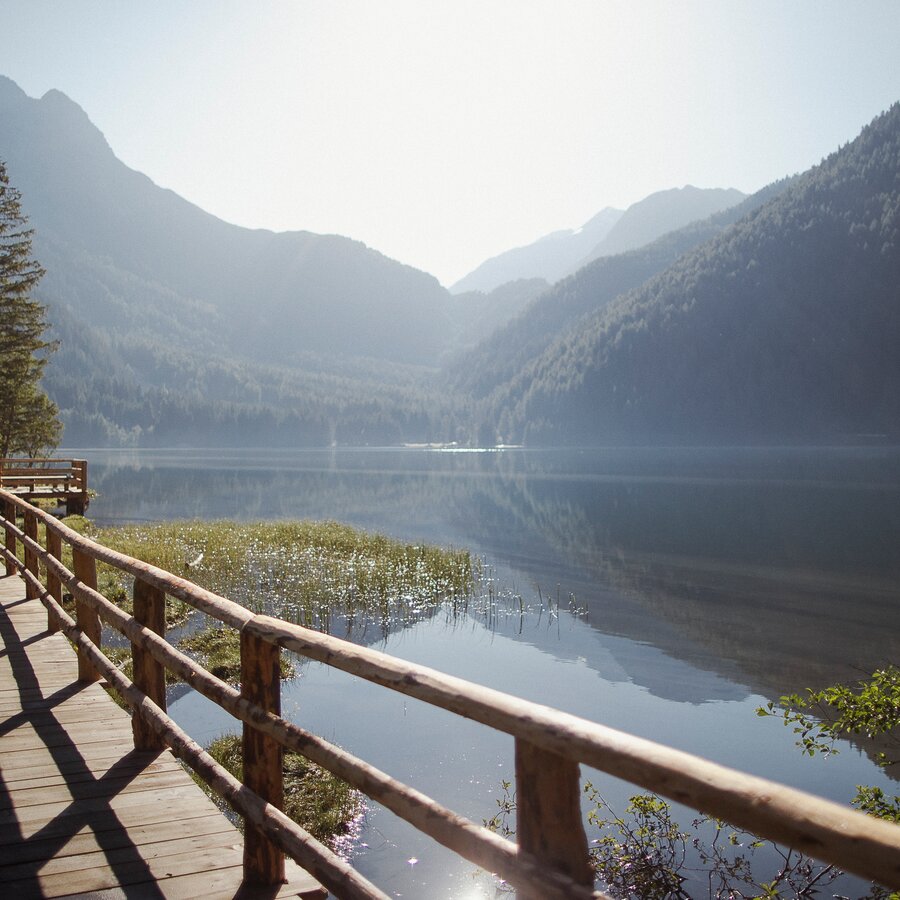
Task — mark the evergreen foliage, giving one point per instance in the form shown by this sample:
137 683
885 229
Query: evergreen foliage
28 422
783 328
507 352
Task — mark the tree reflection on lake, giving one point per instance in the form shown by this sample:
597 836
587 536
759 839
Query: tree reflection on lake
666 592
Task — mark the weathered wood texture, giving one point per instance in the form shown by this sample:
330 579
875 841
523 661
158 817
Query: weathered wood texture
550 747
149 675
9 539
549 822
48 479
81 810
87 618
263 756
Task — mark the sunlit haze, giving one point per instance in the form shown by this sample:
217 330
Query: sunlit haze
442 133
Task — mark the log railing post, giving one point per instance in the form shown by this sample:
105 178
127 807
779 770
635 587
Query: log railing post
31 558
80 467
9 543
263 756
149 675
85 617
76 492
549 823
54 585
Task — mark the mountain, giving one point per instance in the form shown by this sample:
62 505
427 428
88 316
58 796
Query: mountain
608 233
476 314
507 351
783 328
659 214
264 293
549 258
177 327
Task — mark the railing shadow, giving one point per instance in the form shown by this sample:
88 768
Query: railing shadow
90 805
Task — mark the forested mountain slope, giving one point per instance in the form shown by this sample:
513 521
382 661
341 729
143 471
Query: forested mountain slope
266 294
785 327
507 351
249 336
658 214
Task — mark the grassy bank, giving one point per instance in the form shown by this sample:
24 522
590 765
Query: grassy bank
305 572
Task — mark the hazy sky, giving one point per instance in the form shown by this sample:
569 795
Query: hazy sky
442 133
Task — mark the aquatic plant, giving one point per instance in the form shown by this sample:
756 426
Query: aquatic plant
218 650
305 572
326 806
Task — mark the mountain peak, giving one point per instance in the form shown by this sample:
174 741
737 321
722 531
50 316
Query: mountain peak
60 104
10 91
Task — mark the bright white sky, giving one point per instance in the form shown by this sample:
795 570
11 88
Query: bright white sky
442 133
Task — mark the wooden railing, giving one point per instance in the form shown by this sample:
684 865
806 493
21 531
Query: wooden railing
49 478
551 858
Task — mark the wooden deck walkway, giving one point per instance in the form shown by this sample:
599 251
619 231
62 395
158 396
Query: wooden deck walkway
81 812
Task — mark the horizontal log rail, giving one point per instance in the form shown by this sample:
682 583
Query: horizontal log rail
51 478
551 859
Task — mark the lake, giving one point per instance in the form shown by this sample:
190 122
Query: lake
665 592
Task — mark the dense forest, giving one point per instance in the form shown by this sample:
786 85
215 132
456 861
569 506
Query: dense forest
774 319
784 327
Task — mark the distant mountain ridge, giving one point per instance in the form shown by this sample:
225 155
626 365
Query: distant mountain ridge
505 353
658 214
308 292
783 328
610 232
177 328
775 320
550 257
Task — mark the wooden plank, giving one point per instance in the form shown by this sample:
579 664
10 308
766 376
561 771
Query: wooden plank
13 765
186 869
81 811
127 872
73 710
86 840
83 770
223 884
178 807
27 737
20 797
124 803
104 857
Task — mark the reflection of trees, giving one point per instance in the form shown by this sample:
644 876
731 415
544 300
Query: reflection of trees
782 564
794 581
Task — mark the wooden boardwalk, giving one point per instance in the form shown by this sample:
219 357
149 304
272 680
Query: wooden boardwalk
81 812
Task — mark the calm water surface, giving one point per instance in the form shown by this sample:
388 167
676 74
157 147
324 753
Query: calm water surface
664 592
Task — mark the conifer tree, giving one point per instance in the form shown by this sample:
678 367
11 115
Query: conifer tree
28 419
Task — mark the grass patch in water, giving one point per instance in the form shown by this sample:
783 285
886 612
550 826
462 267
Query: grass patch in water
218 650
301 571
315 799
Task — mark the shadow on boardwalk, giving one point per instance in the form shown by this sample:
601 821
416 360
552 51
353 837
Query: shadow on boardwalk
82 812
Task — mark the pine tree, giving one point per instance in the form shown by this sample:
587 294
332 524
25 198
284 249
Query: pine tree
28 419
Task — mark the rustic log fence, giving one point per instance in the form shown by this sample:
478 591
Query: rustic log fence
48 478
551 858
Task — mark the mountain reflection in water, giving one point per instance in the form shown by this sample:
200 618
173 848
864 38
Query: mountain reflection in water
664 592
776 569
